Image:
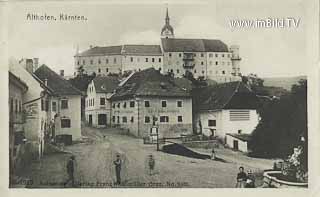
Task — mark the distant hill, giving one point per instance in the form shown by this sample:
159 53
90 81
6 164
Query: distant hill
283 82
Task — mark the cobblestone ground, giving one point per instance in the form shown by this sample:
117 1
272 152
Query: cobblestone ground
94 165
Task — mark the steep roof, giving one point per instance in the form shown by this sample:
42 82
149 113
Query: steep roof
149 82
56 83
95 51
233 95
193 45
105 84
141 50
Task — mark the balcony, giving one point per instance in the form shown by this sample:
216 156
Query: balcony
188 65
188 57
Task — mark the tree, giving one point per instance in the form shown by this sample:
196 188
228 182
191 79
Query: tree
283 122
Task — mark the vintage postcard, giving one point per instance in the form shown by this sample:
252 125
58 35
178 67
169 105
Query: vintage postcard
161 94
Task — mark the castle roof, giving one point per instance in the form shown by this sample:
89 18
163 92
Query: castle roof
193 45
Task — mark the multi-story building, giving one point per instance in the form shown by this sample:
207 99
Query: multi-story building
148 95
228 111
64 104
97 102
119 59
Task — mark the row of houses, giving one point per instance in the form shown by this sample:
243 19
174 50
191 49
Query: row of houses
148 98
42 105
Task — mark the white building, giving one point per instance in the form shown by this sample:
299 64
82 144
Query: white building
149 95
119 59
64 105
226 110
97 102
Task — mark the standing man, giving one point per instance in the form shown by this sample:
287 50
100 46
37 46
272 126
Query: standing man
151 163
213 154
241 178
70 171
118 164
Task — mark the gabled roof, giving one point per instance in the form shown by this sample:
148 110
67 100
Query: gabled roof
96 51
55 82
233 95
193 45
105 84
141 50
149 82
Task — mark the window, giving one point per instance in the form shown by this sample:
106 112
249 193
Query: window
203 72
113 105
222 55
170 54
147 59
202 63
91 62
216 55
64 104
239 115
124 119
118 119
132 119
83 61
16 106
131 59
210 55
42 105
146 119
211 123
228 55
93 102
152 59
20 106
102 101
202 55
99 70
164 103
78 62
54 106
178 71
164 118
180 55
216 63
159 59
179 103
107 69
147 103
179 118
114 60
99 61
125 105
223 72
118 105
65 123
11 104
195 71
131 103
107 61
239 131
113 119
46 105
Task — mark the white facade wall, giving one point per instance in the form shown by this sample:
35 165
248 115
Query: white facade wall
93 107
140 128
141 62
108 64
242 145
223 123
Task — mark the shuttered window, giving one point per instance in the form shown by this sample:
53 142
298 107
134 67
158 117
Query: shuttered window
239 115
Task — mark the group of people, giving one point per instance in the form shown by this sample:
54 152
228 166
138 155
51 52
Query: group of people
245 180
117 164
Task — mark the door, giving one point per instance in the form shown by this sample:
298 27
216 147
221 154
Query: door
235 145
90 119
102 119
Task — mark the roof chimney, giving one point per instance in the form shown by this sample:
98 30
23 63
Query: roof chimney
46 82
35 64
29 65
62 73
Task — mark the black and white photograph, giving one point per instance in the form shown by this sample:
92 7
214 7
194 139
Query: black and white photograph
161 94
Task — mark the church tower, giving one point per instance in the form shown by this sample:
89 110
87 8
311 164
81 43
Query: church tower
167 30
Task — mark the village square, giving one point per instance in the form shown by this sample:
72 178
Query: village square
175 115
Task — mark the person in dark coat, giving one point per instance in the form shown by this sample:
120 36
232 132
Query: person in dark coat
151 163
118 164
241 178
70 170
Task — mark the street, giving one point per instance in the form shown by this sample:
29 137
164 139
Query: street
94 166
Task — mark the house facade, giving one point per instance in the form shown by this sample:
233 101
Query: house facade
97 102
228 108
119 59
149 99
63 106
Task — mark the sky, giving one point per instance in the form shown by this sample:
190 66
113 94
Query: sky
268 52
